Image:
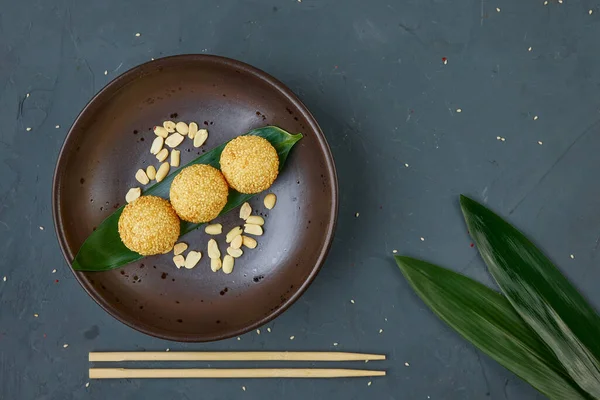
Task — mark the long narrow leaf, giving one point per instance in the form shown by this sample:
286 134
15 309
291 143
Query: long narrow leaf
541 295
103 249
486 319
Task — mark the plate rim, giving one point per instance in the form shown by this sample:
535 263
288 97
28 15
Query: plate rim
127 77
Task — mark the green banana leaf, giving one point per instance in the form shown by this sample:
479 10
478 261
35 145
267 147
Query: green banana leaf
486 319
103 249
542 296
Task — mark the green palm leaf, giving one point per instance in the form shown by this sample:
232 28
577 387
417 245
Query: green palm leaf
540 294
486 319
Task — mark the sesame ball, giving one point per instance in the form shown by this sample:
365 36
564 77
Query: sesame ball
149 225
250 164
199 193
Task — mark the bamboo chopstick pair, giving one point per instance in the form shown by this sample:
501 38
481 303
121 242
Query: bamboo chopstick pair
117 373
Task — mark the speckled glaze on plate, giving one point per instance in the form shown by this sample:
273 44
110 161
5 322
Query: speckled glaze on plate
111 139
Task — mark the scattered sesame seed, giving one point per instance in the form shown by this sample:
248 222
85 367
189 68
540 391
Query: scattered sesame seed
244 388
422 239
535 118
35 315
546 2
531 48
366 361
498 9
540 142
28 129
292 337
57 126
138 34
41 228
105 72
406 364
394 251
4 279
152 59
335 343
352 301
572 256
168 350
239 338
503 139
54 271
258 331
369 384
385 319
560 1
269 330
87 384
406 165
356 215
459 110
445 61
590 12
65 346
381 331
27 95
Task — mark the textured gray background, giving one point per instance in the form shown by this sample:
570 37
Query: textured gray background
372 74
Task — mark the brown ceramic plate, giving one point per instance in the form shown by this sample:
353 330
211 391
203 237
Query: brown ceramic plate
111 139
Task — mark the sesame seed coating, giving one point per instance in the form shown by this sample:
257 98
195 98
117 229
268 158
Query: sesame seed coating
250 164
199 193
149 225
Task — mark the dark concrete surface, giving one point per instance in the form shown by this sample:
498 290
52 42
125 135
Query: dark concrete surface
372 74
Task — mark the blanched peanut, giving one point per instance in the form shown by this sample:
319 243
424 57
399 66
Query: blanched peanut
179 248
175 158
151 172
162 155
161 131
270 201
200 137
192 259
214 229
133 194
157 145
252 229
245 211
213 249
141 177
236 243
169 126
182 128
162 172
192 130
235 253
249 242
179 261
233 233
215 264
255 220
228 262
174 140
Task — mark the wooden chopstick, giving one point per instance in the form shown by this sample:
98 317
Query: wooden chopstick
120 373
231 356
